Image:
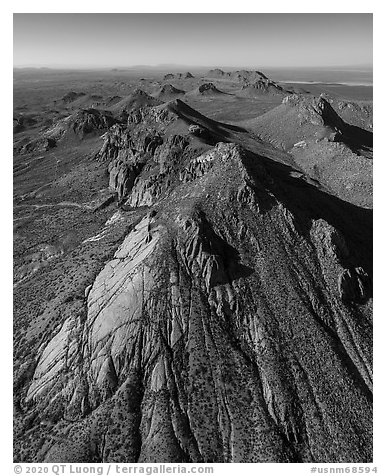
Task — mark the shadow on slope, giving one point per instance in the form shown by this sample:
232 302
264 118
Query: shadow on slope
309 202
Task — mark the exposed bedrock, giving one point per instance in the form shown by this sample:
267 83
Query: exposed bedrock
319 112
316 111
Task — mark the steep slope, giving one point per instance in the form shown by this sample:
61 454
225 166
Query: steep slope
250 77
168 132
261 87
322 144
205 89
347 174
231 324
216 73
186 75
155 134
137 99
241 76
359 114
75 127
168 92
306 117
81 123
72 96
112 100
78 100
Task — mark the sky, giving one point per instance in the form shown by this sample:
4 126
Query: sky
235 40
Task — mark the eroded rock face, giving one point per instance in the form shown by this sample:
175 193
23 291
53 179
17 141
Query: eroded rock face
115 141
150 115
125 284
42 144
218 331
145 145
316 110
128 152
169 90
72 96
354 285
76 126
128 164
262 86
208 88
82 122
243 76
249 76
329 240
186 75
122 176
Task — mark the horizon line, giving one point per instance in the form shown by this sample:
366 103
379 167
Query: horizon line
162 66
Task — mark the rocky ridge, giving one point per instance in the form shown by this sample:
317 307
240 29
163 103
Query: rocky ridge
168 91
186 75
205 89
261 87
76 126
243 76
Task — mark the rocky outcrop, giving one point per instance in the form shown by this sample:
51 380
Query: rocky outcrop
249 77
217 72
122 176
87 121
170 76
42 144
107 326
356 114
197 167
72 96
308 118
136 100
128 149
169 91
317 111
205 89
59 355
126 156
242 76
354 285
80 124
143 145
330 242
115 141
261 87
76 126
168 159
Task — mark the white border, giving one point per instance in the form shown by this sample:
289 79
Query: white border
198 6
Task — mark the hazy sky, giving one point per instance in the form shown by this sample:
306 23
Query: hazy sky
89 40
